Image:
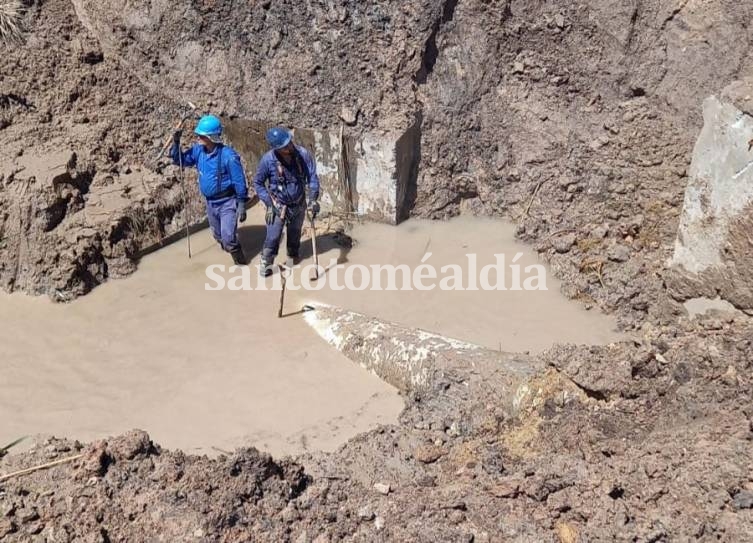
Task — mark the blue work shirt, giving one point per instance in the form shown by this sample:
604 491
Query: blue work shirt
288 189
215 179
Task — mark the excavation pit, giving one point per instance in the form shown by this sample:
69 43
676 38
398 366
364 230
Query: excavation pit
206 371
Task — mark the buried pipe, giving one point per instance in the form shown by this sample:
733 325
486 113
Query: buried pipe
417 362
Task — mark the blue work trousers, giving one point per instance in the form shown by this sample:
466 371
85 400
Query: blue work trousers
295 216
223 222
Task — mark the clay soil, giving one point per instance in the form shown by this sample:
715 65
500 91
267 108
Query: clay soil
576 122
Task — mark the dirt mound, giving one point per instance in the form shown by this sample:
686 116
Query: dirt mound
78 185
102 497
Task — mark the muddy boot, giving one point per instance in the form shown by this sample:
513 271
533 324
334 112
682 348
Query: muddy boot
265 267
239 259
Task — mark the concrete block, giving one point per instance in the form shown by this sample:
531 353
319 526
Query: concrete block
713 252
373 177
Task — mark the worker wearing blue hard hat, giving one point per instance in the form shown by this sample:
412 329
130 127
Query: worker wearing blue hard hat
286 173
222 182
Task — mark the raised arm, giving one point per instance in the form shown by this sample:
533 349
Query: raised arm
187 156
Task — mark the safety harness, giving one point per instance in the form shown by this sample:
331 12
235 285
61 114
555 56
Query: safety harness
302 172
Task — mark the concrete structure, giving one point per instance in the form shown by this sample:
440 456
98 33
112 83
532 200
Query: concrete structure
373 178
713 253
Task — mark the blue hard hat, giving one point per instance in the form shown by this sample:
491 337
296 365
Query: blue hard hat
278 137
209 126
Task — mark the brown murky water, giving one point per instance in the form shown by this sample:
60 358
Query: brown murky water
510 320
206 370
196 369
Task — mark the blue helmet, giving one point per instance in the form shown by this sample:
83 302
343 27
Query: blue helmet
278 137
209 126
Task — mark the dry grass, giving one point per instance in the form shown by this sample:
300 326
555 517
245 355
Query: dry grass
11 15
593 265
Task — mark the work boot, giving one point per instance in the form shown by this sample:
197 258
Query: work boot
265 267
239 259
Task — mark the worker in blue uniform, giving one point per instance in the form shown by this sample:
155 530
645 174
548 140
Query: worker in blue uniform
287 183
222 182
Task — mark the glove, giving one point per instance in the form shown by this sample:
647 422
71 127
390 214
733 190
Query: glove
241 211
176 136
269 218
314 209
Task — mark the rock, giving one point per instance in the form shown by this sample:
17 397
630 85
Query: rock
600 232
365 513
379 524
731 376
619 253
506 489
428 453
518 68
563 244
567 533
349 116
322 538
743 500
559 20
565 181
454 430
130 445
382 488
426 481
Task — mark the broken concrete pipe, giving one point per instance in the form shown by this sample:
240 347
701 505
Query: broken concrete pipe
416 361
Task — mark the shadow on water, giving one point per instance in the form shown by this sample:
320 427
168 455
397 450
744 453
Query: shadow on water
325 243
252 240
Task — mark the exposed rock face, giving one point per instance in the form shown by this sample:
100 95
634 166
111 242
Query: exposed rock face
713 253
